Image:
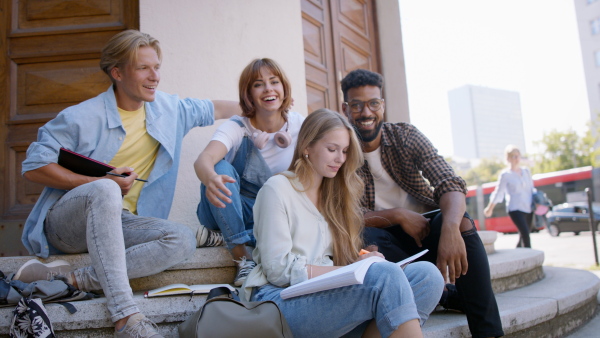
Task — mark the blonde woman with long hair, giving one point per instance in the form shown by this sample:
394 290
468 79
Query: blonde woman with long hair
308 222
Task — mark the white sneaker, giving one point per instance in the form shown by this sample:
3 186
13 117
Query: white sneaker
35 270
208 238
138 326
244 268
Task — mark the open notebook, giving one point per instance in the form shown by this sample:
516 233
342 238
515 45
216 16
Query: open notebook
348 275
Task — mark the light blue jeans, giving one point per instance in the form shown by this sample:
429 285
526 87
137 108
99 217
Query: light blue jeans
121 245
389 295
236 220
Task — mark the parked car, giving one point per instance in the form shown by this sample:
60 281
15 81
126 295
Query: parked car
571 217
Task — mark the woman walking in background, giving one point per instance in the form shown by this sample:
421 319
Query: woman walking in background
516 183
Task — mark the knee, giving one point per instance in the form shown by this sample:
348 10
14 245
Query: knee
106 191
386 272
425 274
225 168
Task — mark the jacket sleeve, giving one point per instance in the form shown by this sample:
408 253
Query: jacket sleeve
272 230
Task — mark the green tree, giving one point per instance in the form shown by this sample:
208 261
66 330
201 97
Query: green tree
487 171
560 150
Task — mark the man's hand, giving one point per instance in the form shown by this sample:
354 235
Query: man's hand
216 191
414 224
452 254
124 182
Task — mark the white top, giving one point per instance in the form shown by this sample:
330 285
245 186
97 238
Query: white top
518 190
389 195
290 233
278 159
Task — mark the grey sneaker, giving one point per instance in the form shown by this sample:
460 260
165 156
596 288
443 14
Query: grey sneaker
208 238
138 326
244 267
35 270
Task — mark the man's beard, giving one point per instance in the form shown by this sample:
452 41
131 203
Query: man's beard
367 136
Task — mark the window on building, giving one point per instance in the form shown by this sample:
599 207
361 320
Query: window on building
597 58
595 26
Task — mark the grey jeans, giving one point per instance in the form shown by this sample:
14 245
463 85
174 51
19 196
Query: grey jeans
121 245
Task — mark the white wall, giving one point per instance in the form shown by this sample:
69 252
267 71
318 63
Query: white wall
206 44
391 52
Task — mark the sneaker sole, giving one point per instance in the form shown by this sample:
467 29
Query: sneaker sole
52 264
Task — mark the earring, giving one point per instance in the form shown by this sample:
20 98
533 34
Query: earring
306 155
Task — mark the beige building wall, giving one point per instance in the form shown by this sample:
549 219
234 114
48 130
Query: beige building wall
588 16
206 44
392 61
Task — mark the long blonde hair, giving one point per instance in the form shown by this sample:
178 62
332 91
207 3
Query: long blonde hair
339 196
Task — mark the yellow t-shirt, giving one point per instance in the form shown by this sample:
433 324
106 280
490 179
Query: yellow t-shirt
138 151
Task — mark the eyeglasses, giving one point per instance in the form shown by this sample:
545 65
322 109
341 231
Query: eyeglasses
358 106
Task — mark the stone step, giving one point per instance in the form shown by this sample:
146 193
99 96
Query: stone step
514 268
206 266
509 269
552 307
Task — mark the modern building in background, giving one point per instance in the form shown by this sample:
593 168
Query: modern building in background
484 121
588 21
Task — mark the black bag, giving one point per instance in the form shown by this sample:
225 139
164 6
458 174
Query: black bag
230 317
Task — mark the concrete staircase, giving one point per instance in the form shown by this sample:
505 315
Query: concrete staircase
534 301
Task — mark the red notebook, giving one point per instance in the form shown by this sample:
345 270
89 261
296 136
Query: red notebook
82 165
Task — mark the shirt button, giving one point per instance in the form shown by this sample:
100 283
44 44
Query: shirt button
121 138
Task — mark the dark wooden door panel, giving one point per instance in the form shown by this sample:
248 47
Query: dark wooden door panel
50 54
339 36
318 55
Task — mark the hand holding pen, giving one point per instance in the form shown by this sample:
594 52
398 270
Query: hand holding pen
121 175
125 180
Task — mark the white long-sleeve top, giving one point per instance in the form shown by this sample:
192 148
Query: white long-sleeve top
518 190
290 233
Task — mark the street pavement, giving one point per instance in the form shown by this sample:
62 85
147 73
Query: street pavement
566 250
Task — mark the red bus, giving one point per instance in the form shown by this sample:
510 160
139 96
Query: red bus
557 186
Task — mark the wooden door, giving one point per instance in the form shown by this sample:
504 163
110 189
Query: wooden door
339 36
49 59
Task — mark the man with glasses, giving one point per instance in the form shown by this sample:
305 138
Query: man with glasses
406 181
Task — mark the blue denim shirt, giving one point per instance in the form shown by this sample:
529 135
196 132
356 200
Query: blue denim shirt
93 128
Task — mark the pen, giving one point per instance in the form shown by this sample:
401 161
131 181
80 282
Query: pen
119 175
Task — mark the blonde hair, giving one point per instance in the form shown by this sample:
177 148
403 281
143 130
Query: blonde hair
250 74
123 49
341 195
511 148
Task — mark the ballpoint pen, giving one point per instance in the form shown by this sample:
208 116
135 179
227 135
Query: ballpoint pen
120 175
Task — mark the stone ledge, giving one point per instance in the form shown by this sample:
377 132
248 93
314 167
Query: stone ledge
514 268
534 310
488 238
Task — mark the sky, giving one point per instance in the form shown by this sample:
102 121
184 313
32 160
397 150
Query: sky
527 46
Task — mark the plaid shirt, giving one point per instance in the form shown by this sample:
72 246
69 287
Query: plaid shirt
413 162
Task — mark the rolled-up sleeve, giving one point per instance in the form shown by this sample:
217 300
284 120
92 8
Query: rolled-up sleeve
52 136
434 167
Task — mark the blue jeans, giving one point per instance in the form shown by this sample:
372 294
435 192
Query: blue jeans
236 220
389 295
121 245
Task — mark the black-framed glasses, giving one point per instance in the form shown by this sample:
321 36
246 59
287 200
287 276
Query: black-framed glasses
357 106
